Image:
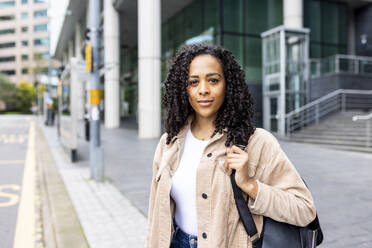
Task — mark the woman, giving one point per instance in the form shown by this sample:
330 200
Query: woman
208 114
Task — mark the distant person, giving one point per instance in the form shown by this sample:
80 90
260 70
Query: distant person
208 114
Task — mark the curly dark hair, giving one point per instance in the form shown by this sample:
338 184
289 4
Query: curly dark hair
236 112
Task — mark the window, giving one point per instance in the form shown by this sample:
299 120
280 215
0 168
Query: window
42 55
7 4
24 15
24 29
24 43
40 13
7 45
7 31
41 42
7 59
8 72
39 1
7 18
24 57
24 71
41 27
24 1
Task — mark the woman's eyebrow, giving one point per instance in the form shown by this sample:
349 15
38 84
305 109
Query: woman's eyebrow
213 74
194 76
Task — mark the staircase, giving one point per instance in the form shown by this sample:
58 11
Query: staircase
338 131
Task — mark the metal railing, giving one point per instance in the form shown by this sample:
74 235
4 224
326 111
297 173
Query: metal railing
340 63
367 119
339 100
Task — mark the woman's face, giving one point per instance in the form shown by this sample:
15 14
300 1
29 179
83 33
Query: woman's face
206 86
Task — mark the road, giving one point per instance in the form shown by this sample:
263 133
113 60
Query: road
13 146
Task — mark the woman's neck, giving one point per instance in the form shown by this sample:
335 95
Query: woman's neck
202 128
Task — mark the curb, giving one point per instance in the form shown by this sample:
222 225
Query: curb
60 225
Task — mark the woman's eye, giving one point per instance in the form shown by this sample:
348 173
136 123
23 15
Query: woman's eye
193 82
213 80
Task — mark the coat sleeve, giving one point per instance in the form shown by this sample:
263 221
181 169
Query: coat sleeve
153 189
282 195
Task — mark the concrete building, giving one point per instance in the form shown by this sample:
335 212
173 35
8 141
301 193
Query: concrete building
24 39
139 38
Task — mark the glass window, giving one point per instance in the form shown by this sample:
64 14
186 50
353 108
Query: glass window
24 1
7 4
41 42
233 22
24 15
211 14
8 72
40 13
41 27
7 31
7 45
24 43
7 17
24 29
234 43
252 58
24 57
193 20
42 55
41 1
7 59
24 70
256 17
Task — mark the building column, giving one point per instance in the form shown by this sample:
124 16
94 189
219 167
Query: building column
112 62
293 13
70 49
149 52
78 41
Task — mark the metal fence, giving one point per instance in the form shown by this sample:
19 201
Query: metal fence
339 63
339 100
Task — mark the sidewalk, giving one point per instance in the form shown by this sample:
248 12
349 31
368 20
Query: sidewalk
115 211
108 219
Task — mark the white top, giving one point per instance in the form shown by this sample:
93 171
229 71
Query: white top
183 189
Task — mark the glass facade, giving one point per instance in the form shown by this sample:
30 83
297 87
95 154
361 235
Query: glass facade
7 45
7 31
41 42
24 15
328 23
7 17
41 27
7 4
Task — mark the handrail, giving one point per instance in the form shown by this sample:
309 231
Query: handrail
368 126
312 112
326 97
362 117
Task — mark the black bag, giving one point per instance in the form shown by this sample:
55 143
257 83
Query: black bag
276 234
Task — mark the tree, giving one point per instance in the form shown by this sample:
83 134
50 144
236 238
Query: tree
25 96
7 92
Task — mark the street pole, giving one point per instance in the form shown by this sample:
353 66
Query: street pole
96 151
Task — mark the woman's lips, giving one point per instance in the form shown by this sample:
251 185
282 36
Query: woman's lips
205 103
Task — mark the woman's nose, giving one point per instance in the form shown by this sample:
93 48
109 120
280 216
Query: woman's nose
204 88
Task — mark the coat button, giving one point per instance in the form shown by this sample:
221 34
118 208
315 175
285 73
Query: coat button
204 235
204 195
209 155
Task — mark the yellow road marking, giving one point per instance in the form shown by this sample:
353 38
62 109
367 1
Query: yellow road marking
25 228
9 162
13 198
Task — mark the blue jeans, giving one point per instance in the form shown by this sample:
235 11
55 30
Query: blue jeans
183 240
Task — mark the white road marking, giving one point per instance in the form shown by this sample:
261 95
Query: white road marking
9 162
25 228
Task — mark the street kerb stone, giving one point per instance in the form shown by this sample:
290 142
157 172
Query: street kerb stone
61 225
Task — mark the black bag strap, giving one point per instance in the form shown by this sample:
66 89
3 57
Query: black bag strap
244 213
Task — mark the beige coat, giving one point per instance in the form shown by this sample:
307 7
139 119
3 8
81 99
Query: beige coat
282 194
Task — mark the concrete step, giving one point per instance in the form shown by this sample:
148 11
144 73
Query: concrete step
344 147
330 141
336 137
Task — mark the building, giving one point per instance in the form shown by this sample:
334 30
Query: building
24 39
139 38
